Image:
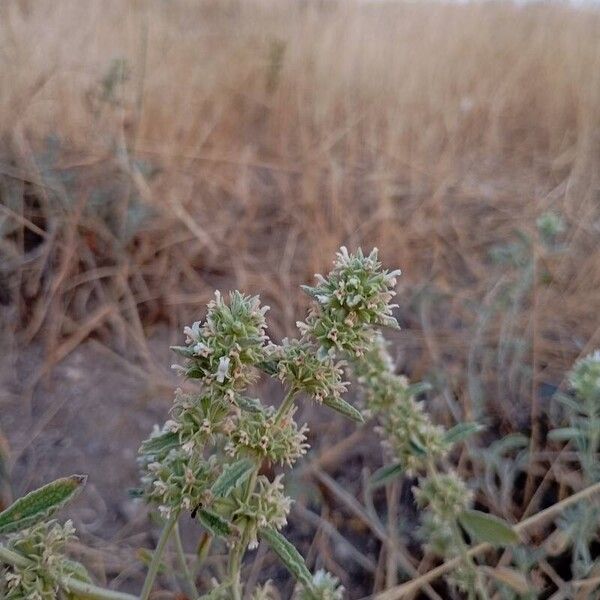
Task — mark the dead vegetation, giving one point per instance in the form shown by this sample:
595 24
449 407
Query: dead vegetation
153 151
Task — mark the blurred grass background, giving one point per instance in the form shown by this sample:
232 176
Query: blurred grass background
154 150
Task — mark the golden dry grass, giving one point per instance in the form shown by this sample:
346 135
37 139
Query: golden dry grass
154 150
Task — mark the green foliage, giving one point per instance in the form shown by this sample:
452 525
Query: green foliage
488 528
40 504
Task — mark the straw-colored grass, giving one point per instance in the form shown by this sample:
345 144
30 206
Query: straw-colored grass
153 150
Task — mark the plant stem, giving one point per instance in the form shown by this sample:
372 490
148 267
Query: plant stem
235 565
184 566
286 405
160 547
80 588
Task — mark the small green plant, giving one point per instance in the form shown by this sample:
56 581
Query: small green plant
208 459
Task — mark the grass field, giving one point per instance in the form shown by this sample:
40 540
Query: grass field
153 151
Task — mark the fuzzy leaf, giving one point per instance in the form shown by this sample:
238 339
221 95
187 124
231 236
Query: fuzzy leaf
344 408
160 443
269 367
183 351
288 555
40 504
488 528
233 475
76 570
415 389
462 431
385 474
252 405
510 577
215 524
564 434
417 447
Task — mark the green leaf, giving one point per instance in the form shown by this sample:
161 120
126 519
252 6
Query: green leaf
40 504
76 570
568 402
415 389
488 528
183 351
233 475
344 408
564 434
462 431
417 447
385 474
215 524
288 555
160 444
252 405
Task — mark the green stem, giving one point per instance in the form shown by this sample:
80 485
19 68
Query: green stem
235 565
286 405
192 591
82 589
155 563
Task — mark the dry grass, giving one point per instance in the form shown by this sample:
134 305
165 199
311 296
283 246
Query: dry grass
153 150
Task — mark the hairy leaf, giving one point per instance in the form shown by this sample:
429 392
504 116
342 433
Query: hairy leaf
233 475
344 408
415 389
288 555
183 351
385 474
462 431
215 524
40 504
161 443
488 528
565 434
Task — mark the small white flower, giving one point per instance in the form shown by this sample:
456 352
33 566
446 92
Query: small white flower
172 426
188 447
223 368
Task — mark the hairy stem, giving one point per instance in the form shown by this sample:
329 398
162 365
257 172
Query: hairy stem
80 588
155 563
286 405
189 579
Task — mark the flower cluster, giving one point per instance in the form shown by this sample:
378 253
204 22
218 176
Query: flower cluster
409 435
585 381
42 546
302 369
267 506
207 456
412 439
444 495
179 480
324 587
223 351
352 300
261 435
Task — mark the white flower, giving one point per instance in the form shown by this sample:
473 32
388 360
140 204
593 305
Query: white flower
223 368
